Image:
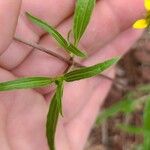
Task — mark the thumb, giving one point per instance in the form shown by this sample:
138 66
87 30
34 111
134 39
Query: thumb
9 11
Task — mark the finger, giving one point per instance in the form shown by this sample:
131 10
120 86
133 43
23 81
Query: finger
23 112
3 137
102 28
4 103
52 11
42 64
62 142
110 18
98 26
118 47
7 29
8 21
78 128
107 26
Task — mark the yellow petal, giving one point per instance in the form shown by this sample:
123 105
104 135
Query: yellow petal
147 5
140 24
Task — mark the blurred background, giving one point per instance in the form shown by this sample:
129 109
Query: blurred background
133 70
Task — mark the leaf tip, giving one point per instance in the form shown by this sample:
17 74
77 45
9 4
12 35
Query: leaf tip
83 55
116 59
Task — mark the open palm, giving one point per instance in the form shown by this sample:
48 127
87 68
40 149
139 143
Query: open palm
23 112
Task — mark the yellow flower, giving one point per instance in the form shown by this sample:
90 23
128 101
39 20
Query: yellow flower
144 23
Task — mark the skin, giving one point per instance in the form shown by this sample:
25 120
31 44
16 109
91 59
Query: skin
23 112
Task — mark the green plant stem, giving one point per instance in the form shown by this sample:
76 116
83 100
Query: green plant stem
69 62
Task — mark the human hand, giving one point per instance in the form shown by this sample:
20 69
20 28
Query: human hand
23 112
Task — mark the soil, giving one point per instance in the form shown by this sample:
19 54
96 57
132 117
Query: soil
132 70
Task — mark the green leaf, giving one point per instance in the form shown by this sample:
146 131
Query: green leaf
53 114
73 49
127 105
59 95
87 72
138 147
58 37
24 83
146 145
144 88
51 124
82 16
130 129
122 106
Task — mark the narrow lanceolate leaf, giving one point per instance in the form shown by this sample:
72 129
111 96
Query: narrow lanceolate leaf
53 114
131 129
87 72
59 95
122 106
55 34
73 49
82 16
146 144
23 83
51 124
127 105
